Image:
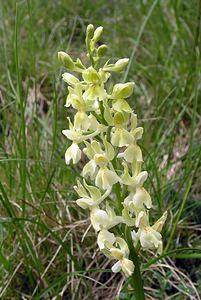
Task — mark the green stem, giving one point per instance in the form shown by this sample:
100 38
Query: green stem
102 112
90 52
136 277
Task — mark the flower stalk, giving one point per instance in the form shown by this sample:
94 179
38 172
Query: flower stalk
136 276
104 129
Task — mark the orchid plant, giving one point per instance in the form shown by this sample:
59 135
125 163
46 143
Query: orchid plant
104 136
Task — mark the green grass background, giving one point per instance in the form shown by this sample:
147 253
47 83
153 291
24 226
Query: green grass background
42 251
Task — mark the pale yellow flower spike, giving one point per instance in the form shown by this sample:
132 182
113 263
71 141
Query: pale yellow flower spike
104 131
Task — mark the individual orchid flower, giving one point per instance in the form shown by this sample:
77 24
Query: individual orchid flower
132 153
119 93
137 200
105 177
75 96
90 195
95 84
98 164
120 135
90 169
79 134
150 236
134 181
73 153
121 254
101 219
134 204
105 240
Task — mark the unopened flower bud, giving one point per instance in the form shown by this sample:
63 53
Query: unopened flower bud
70 79
66 60
97 34
90 31
118 66
101 51
123 90
121 64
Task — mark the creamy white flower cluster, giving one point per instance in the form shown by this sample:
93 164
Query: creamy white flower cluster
104 131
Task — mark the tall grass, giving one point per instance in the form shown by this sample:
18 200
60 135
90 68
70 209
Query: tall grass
45 252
